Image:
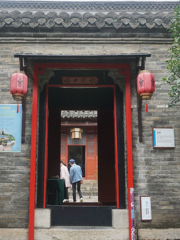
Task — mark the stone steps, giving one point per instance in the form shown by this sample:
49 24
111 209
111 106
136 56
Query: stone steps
89 190
44 230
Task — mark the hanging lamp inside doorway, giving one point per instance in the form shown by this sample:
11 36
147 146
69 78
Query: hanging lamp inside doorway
76 133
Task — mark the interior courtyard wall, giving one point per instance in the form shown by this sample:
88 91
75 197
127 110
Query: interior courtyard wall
156 171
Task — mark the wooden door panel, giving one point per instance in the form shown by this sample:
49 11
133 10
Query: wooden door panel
106 159
54 142
91 153
63 145
91 168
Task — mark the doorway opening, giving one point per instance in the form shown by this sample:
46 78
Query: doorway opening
107 100
93 99
78 153
79 139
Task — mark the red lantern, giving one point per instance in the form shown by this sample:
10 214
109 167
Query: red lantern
145 85
18 86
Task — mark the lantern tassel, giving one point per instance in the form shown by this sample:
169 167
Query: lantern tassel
146 107
18 107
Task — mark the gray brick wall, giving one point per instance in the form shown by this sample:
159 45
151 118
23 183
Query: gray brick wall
14 167
156 172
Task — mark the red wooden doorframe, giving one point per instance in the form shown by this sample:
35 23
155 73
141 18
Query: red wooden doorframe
39 69
115 132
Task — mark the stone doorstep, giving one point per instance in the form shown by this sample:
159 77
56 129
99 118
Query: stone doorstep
119 218
85 199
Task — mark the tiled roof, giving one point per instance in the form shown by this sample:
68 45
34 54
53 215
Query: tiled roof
88 6
117 15
17 19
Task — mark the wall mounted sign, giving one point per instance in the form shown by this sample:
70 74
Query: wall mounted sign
10 128
163 138
80 80
145 205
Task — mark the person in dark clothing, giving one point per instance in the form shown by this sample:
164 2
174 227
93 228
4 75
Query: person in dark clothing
76 179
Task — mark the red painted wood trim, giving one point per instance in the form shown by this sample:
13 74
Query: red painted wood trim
46 147
33 156
39 69
129 141
80 86
116 150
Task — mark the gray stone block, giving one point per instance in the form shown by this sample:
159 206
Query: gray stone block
42 218
120 219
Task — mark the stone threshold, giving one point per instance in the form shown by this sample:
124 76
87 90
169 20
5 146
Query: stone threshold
81 228
89 233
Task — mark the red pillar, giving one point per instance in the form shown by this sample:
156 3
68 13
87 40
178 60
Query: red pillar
45 153
129 155
116 150
33 155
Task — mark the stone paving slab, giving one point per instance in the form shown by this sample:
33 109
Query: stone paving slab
159 234
66 233
13 234
88 233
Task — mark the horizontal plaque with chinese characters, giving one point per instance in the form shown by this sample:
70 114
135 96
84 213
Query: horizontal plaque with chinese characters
80 80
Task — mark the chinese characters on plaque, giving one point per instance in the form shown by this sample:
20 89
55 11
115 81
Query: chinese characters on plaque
79 80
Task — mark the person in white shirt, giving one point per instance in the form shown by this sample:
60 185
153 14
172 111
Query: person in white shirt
64 174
